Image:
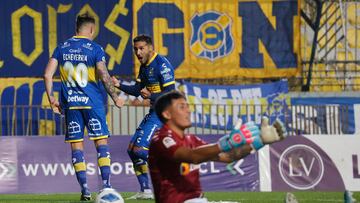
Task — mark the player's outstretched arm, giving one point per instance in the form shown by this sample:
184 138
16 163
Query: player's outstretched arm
134 90
235 154
217 151
268 133
198 155
250 134
239 136
239 143
108 83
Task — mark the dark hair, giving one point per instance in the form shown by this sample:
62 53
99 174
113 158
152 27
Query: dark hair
143 38
83 19
164 101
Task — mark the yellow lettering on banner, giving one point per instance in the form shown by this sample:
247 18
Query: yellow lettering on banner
16 34
52 20
267 9
87 9
161 27
117 54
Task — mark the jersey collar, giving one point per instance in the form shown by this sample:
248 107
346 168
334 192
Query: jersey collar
152 58
80 36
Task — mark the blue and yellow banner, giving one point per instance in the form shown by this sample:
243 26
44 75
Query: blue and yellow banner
202 39
220 106
30 31
212 39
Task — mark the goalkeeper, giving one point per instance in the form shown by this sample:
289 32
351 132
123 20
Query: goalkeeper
173 153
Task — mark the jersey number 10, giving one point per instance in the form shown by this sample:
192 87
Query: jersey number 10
79 73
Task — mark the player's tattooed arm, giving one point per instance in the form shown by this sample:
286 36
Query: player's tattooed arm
106 79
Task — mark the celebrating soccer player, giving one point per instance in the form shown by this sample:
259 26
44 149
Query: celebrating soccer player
82 64
156 76
172 151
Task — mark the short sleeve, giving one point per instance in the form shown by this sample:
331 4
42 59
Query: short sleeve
166 73
100 54
56 53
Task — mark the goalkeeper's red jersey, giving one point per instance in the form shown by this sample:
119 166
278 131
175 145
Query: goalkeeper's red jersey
173 181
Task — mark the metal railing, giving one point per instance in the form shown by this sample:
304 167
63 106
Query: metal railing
207 119
337 58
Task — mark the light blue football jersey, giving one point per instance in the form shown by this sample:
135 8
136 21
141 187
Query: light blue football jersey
81 87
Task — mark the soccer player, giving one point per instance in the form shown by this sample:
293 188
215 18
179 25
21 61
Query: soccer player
82 67
173 153
156 76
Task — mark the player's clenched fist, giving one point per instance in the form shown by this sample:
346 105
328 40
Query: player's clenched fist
238 136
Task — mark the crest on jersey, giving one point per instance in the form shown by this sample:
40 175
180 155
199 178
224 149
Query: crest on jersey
168 142
66 44
88 46
151 72
211 35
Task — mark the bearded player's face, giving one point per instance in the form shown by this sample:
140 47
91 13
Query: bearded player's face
143 51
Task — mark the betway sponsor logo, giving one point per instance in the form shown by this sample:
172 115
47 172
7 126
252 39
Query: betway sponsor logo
66 169
77 98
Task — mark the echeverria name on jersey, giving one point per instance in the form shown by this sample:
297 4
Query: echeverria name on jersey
74 57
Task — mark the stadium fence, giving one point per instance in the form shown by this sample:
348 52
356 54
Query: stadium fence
207 119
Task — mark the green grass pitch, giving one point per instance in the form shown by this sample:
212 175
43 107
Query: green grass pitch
243 197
